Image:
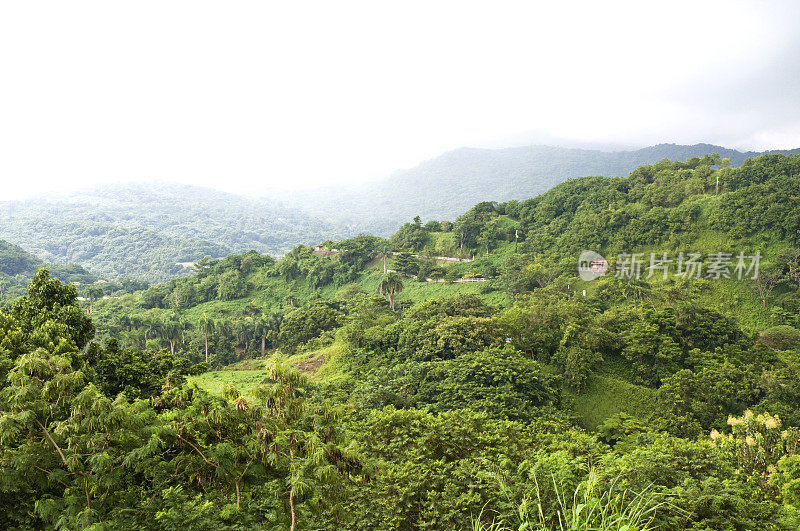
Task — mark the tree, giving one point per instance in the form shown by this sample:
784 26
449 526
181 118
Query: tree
766 281
231 286
406 263
789 260
501 382
264 325
411 236
425 269
384 251
171 330
304 443
48 299
244 330
390 286
467 229
516 276
304 324
207 326
93 293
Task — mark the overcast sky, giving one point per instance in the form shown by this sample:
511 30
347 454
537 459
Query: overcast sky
248 95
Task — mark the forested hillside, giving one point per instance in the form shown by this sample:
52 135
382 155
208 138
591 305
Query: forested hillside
17 268
444 187
151 231
456 375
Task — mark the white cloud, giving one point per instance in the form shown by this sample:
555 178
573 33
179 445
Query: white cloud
244 95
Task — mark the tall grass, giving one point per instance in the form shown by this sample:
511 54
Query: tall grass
589 508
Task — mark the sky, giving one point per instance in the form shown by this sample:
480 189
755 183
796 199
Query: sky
245 96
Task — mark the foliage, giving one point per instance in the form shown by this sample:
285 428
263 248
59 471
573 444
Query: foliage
17 267
781 337
306 323
149 232
562 404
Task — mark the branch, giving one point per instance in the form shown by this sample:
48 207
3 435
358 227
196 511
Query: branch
197 450
63 459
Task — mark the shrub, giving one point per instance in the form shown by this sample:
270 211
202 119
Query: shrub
781 337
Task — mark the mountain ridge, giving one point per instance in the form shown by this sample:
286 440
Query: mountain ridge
149 231
443 187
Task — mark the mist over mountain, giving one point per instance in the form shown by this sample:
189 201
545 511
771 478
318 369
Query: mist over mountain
155 231
151 231
444 187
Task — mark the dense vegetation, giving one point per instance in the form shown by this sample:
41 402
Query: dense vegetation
149 232
370 385
18 266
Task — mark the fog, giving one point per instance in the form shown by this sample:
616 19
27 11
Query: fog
246 96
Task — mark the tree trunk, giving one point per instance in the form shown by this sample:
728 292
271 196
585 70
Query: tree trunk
291 490
206 338
172 346
391 300
291 507
263 344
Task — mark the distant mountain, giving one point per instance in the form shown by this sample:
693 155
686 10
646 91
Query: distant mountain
445 187
155 231
152 231
17 267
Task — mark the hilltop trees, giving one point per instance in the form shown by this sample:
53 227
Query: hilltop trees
411 236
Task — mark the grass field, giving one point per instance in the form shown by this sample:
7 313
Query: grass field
606 396
243 380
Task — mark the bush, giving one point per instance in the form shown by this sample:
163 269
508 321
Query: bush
781 337
304 324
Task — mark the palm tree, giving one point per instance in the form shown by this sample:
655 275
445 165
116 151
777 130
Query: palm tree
170 330
243 330
207 325
384 251
390 286
265 324
93 293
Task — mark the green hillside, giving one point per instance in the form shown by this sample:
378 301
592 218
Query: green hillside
521 258
152 231
459 374
18 266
